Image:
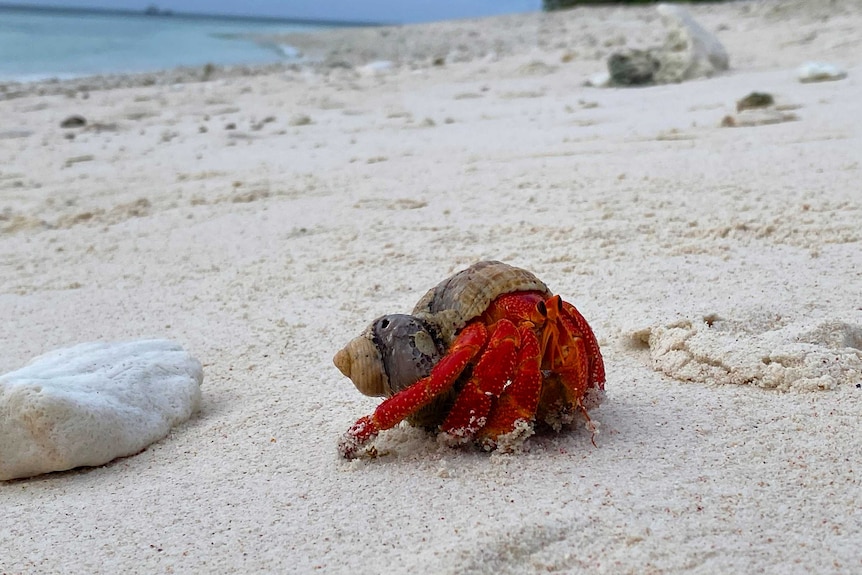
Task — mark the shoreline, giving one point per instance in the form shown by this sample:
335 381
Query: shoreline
117 45
11 89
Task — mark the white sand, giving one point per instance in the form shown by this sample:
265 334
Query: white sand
264 250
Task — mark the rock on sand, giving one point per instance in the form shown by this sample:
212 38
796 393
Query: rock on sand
94 402
689 51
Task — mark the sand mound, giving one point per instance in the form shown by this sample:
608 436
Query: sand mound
759 350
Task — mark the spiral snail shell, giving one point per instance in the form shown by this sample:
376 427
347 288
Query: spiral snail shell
449 305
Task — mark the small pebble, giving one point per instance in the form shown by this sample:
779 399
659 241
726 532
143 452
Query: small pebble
820 72
74 121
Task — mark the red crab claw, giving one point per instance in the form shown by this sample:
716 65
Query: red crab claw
396 408
520 399
578 324
492 372
574 359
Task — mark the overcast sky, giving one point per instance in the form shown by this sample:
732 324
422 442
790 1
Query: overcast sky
395 11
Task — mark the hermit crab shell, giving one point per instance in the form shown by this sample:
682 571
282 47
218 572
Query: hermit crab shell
466 295
397 350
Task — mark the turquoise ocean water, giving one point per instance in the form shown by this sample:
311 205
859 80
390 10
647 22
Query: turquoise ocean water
39 44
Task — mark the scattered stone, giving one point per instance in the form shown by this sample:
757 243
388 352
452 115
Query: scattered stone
600 80
74 121
820 72
89 404
78 159
632 68
755 100
688 52
757 117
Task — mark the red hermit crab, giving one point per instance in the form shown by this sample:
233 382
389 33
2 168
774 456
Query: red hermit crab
485 355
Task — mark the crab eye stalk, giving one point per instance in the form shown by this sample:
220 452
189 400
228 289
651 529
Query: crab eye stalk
542 309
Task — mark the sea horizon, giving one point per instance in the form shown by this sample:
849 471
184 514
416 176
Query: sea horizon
154 12
40 43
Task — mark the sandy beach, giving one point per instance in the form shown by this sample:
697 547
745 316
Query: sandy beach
262 218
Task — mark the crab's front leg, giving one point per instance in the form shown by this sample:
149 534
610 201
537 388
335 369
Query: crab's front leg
393 410
520 400
490 375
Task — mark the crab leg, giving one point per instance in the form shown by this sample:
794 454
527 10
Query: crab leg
576 374
577 324
406 402
520 399
493 370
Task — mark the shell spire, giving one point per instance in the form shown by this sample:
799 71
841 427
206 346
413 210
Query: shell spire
360 360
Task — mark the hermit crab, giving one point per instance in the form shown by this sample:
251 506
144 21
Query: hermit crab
485 355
